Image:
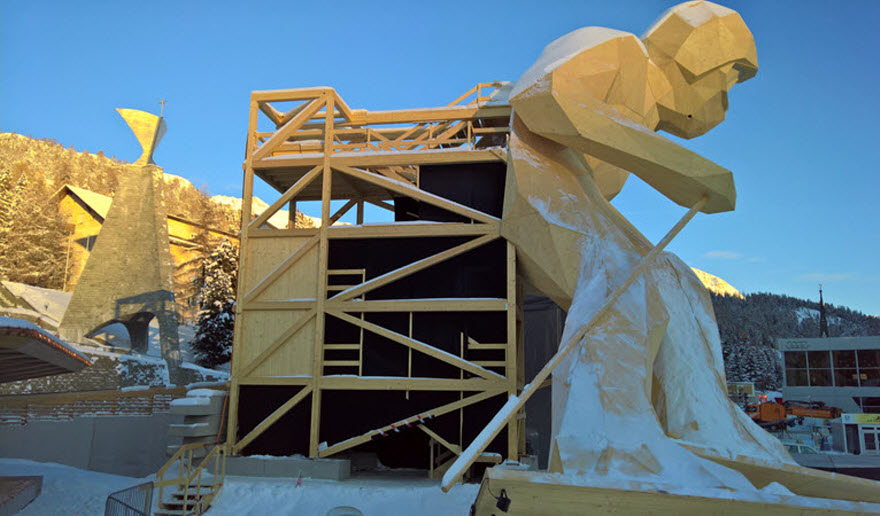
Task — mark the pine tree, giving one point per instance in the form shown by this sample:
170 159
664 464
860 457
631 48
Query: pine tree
212 345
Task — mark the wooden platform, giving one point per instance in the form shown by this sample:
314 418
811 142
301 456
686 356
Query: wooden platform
530 493
17 492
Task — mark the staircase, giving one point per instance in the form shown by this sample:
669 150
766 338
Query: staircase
196 484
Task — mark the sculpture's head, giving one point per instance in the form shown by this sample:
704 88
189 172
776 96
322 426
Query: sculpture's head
703 49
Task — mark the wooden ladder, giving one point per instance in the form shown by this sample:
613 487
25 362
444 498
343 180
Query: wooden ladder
353 360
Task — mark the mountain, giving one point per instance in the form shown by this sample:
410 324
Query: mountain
278 220
716 285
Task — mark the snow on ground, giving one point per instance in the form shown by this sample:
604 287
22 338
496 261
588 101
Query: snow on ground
68 490
373 495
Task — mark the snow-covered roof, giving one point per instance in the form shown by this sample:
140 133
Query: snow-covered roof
30 352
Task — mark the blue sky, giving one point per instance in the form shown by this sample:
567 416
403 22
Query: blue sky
801 137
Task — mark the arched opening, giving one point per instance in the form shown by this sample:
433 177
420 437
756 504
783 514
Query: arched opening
138 332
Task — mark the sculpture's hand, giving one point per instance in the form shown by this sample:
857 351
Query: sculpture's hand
580 121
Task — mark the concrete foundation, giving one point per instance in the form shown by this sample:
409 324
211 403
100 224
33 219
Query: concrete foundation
288 467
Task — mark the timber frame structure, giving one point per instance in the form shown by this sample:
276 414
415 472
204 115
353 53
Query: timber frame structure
289 288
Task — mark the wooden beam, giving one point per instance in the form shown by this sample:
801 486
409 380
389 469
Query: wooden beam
274 115
473 344
366 383
382 159
421 115
380 204
418 345
271 419
289 128
464 304
287 196
511 354
439 411
280 304
342 211
277 343
289 94
412 268
246 202
282 233
280 270
411 191
515 404
321 292
276 380
454 448
392 230
287 117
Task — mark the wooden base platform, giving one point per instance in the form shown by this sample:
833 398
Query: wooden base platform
533 493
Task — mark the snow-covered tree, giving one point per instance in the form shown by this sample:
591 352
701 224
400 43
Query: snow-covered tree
212 345
32 232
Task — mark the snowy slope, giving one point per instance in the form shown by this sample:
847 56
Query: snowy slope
716 284
278 220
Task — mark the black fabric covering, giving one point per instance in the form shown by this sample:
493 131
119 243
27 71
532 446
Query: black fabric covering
478 186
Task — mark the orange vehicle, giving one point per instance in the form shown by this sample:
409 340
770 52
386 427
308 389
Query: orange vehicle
811 409
770 415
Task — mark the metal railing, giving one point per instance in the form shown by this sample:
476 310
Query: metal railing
133 501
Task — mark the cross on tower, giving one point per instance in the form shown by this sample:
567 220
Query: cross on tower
162 103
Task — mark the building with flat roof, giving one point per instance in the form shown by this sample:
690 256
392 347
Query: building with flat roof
843 372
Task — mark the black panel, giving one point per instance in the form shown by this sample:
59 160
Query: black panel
289 435
478 186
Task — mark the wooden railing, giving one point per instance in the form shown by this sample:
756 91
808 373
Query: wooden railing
189 479
302 129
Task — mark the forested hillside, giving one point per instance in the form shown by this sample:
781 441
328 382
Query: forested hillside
749 326
32 232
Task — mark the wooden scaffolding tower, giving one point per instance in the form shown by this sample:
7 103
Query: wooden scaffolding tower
305 323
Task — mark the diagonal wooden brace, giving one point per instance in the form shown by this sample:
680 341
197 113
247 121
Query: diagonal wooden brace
516 403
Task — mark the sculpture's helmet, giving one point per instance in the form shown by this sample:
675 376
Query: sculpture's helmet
703 49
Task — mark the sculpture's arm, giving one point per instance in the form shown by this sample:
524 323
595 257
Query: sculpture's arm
582 122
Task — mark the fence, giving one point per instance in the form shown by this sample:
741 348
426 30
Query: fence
133 501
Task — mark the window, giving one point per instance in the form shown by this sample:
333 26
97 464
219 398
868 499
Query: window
869 367
868 405
820 360
819 363
846 377
869 358
796 377
869 377
844 359
796 359
796 368
820 377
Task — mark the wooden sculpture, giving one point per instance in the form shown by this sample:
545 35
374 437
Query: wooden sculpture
638 384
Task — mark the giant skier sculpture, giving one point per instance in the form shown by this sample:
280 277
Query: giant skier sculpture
649 374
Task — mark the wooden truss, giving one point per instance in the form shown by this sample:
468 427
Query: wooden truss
318 149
